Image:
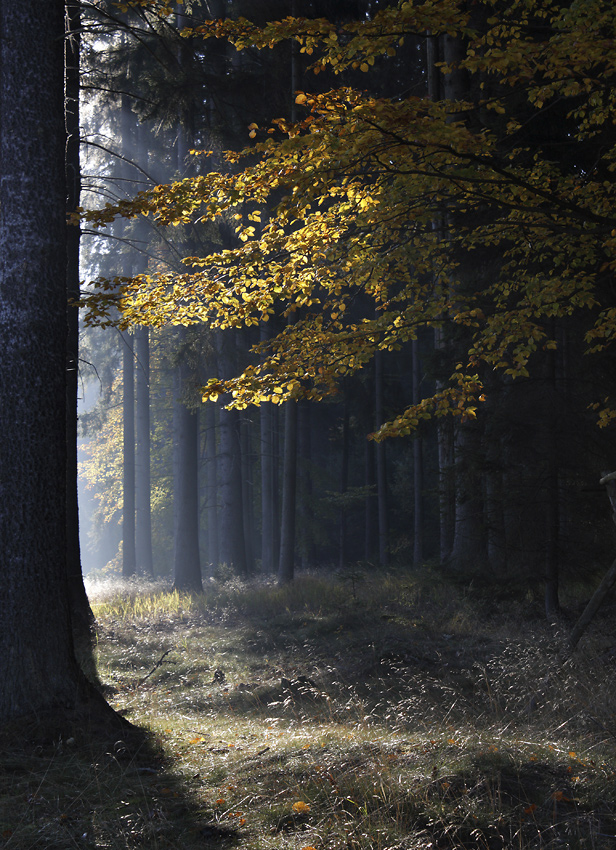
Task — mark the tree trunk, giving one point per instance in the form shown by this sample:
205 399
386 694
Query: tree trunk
469 551
129 564
247 492
268 558
418 467
211 490
552 532
38 670
286 566
143 512
186 560
371 514
344 485
381 465
231 515
231 523
305 503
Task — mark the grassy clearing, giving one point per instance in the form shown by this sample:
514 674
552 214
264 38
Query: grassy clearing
391 712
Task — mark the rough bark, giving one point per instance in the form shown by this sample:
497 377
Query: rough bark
38 670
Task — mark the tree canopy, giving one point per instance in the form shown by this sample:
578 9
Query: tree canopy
373 215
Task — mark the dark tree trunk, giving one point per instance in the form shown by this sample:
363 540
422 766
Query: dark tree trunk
469 550
371 514
381 464
186 560
231 519
446 490
38 670
552 531
81 613
211 490
305 486
268 558
286 566
143 512
231 523
247 492
129 564
344 485
418 466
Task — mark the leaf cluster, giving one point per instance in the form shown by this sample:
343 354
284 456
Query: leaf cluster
370 217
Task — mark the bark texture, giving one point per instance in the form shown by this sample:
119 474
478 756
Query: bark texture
38 670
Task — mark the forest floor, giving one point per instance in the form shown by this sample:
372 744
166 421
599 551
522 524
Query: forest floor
384 712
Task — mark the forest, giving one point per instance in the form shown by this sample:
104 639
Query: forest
362 276
308 480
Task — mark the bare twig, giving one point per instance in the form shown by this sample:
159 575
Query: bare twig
155 667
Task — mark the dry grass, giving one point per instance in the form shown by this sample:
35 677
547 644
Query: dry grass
395 712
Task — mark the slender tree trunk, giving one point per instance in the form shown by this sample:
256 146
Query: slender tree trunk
305 486
494 507
268 559
371 513
381 464
143 512
231 516
211 461
344 485
469 550
231 521
552 605
247 492
129 564
286 567
186 560
418 466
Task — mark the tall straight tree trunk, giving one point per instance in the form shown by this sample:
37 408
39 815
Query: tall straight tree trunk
268 558
143 511
231 521
231 541
186 559
286 566
371 534
129 563
381 463
81 613
247 492
469 550
418 466
344 486
38 671
211 490
305 486
552 605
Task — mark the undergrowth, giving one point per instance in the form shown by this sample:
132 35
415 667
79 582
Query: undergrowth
391 713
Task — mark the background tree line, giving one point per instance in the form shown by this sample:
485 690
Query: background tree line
508 488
